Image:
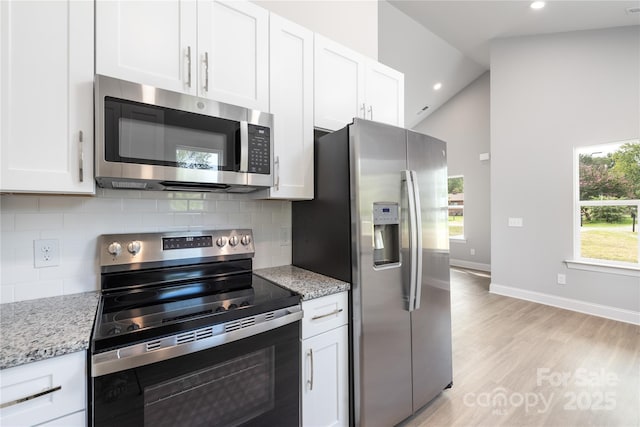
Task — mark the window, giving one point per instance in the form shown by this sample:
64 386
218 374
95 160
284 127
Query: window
607 202
456 207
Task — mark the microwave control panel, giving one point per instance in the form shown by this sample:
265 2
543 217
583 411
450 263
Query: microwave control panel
259 149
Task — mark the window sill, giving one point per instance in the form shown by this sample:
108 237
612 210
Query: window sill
457 240
603 268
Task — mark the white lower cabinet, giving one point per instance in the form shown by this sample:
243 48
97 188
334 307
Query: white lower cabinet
50 392
325 365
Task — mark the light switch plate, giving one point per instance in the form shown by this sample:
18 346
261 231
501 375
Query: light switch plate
515 222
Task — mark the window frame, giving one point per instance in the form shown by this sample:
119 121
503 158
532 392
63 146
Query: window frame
462 237
594 264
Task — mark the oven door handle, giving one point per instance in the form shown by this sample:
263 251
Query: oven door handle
165 348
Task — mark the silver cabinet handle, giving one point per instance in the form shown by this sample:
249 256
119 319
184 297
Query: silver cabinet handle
276 163
310 381
364 109
334 312
80 157
370 111
188 66
33 396
206 71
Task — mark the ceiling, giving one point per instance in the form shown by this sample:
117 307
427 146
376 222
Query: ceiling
469 26
465 30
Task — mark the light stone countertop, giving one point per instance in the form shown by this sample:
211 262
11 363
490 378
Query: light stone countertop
47 327
307 283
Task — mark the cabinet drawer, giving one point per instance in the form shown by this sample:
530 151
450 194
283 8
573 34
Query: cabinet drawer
58 383
325 313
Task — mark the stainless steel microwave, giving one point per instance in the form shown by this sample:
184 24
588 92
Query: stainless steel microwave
153 139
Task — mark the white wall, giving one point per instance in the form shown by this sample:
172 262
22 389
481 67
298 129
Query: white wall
425 59
463 122
550 94
351 23
78 221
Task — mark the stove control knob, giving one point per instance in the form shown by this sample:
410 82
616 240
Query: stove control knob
221 241
233 240
134 247
114 248
246 239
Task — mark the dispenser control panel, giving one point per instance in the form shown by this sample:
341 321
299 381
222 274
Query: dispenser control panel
385 213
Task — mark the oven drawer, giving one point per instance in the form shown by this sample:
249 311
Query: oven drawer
53 388
324 313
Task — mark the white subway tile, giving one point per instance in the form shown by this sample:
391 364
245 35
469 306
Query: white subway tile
216 196
157 219
103 205
215 219
227 206
39 289
74 285
7 222
18 203
140 205
239 220
250 206
198 205
186 219
173 205
61 204
36 221
118 194
7 294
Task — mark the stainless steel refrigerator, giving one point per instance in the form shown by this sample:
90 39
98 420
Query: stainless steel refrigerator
379 221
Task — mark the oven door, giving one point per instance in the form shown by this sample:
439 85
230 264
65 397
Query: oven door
254 381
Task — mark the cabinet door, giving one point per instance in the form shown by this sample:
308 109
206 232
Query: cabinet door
148 42
291 101
339 84
46 88
233 53
56 387
325 398
384 94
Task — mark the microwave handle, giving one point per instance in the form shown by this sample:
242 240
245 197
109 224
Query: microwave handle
189 66
244 146
276 164
206 72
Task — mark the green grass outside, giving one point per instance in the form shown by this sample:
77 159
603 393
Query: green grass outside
456 227
626 221
609 245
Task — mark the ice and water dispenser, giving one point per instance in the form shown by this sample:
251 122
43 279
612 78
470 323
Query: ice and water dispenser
386 234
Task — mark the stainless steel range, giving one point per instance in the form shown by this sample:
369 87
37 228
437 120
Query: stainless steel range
186 335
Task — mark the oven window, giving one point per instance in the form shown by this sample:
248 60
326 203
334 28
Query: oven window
227 394
148 134
253 382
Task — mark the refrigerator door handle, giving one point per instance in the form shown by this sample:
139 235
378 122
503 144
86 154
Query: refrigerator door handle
411 196
418 232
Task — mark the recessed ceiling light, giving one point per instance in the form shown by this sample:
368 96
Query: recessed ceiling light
437 86
537 5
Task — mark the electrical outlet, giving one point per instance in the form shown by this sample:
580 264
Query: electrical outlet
562 279
46 253
472 251
285 236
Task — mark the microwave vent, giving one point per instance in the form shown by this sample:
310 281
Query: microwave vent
129 185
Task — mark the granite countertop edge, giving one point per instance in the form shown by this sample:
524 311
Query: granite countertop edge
40 329
308 284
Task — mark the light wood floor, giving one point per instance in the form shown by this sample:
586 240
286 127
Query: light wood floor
517 363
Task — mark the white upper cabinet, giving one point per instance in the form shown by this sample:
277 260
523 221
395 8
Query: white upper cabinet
384 94
291 102
148 42
214 49
339 84
349 85
233 53
46 92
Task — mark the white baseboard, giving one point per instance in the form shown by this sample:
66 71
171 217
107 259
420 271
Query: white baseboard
469 264
608 312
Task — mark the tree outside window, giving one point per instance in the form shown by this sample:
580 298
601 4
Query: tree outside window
456 207
608 202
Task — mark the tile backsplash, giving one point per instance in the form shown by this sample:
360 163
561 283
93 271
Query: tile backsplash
78 221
